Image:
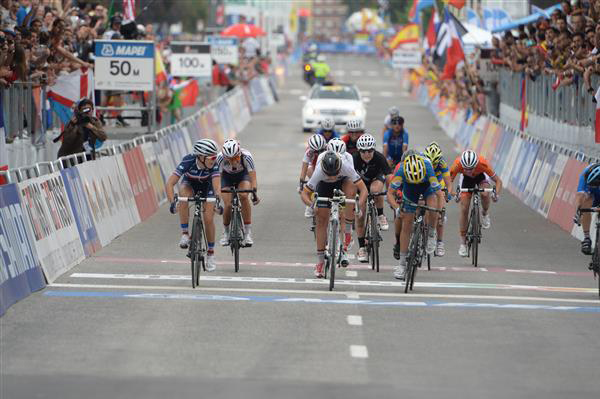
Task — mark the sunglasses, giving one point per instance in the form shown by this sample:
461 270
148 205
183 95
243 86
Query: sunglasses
366 151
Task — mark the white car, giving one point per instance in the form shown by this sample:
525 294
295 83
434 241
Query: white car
341 102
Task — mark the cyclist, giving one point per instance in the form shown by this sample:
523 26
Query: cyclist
375 172
200 175
236 166
338 146
395 141
316 145
393 112
354 129
434 153
321 69
416 177
588 196
331 173
476 172
327 129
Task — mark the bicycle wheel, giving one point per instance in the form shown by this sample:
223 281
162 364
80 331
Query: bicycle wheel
375 238
411 259
333 248
193 252
595 265
476 237
235 239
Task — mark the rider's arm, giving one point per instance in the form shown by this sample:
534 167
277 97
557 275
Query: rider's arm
253 181
303 171
216 183
404 141
362 189
391 197
498 182
306 195
171 182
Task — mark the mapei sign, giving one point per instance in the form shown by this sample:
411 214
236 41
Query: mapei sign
124 65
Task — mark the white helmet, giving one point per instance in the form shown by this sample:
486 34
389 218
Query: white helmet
317 142
205 147
365 142
231 148
321 58
394 112
355 126
469 159
327 124
336 145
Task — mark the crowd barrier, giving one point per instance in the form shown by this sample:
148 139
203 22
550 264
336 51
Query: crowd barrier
51 222
542 175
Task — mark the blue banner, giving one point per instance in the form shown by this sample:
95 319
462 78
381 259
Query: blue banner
123 49
20 270
81 211
503 150
346 48
530 156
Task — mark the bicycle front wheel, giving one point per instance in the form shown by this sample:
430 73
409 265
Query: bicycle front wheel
335 254
196 250
412 258
476 228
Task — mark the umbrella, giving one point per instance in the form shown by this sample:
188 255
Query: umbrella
243 30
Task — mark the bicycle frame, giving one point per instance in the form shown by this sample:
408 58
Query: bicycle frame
474 223
236 227
372 230
595 262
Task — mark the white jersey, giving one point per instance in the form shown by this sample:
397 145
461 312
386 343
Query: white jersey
318 175
246 163
346 157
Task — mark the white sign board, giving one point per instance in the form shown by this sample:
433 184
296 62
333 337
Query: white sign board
124 65
224 50
191 59
406 59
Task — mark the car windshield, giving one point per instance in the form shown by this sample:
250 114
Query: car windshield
335 93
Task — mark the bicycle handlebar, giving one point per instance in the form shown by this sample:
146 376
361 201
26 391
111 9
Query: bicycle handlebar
341 199
380 194
478 190
589 210
234 190
196 199
409 202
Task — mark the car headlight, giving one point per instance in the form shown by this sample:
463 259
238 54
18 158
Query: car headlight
359 112
311 111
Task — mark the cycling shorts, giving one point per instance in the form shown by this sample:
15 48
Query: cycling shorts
412 192
234 179
204 189
472 182
325 189
368 182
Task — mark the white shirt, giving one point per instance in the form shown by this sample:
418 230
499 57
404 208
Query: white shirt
225 165
318 175
250 45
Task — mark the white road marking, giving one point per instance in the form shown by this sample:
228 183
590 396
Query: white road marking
359 351
348 294
366 93
351 256
296 92
372 73
354 320
356 73
386 94
339 72
351 273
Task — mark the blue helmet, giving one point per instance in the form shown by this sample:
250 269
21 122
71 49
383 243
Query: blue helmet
593 176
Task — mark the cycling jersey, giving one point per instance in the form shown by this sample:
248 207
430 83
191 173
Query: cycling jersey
373 169
318 176
441 170
583 187
310 157
246 163
350 145
334 135
192 172
429 178
483 166
387 122
395 143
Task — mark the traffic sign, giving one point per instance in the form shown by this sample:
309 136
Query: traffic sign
124 65
224 50
191 59
406 59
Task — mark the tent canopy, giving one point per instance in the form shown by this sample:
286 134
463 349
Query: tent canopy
476 36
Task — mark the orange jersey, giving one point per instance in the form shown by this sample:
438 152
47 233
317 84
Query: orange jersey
483 166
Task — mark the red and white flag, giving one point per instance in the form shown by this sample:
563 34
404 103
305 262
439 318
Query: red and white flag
430 36
597 124
129 9
454 50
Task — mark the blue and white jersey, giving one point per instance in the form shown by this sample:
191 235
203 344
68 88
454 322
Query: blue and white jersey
233 166
193 172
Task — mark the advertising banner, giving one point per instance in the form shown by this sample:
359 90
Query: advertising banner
79 205
547 160
402 59
124 65
157 178
224 50
140 183
534 175
552 184
55 233
563 204
529 157
20 270
511 160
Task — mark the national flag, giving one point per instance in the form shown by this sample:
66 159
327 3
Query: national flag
418 6
455 3
129 9
111 12
186 93
69 89
597 124
408 34
159 70
448 51
524 112
412 13
430 36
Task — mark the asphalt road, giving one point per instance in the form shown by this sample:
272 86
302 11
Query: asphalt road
126 323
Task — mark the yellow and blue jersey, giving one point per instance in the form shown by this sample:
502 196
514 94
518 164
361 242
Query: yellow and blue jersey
430 177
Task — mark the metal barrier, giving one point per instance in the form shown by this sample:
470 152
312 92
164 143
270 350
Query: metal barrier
21 119
566 115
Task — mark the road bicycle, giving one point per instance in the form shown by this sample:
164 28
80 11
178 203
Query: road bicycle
474 222
372 230
236 225
595 263
417 244
334 248
198 242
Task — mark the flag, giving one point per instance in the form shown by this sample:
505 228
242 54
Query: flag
472 17
501 17
69 89
186 92
455 3
408 34
159 70
418 6
3 149
448 51
524 113
488 19
129 9
597 124
111 12
412 14
430 36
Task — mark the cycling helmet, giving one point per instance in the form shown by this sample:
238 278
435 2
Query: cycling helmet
433 152
469 159
407 154
355 126
394 112
414 169
331 163
205 147
327 124
231 148
365 142
336 145
593 176
317 142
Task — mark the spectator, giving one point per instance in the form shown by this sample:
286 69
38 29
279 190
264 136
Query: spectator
82 132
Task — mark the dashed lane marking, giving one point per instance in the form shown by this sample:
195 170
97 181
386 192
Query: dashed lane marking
362 283
356 73
359 351
354 320
351 273
348 294
469 269
296 92
312 300
372 73
386 94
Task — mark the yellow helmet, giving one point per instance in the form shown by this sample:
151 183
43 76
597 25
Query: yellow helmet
434 153
414 169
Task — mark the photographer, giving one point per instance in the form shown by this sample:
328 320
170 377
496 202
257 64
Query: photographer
82 131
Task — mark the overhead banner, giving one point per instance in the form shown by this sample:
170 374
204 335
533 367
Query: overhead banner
124 65
55 234
191 59
224 50
20 271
